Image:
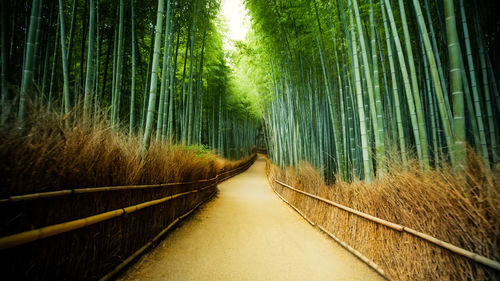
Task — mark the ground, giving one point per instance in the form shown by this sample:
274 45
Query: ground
248 233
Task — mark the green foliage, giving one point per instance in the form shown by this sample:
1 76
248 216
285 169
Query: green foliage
301 59
202 102
199 150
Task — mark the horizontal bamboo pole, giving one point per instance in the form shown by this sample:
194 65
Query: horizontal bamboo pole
220 177
350 210
295 208
471 255
132 257
356 253
32 196
468 254
48 231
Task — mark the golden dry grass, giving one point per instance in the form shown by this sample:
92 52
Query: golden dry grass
464 211
48 156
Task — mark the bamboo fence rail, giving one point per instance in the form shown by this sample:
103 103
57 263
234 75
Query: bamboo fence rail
468 254
366 260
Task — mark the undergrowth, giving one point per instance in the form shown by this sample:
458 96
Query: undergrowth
53 152
462 210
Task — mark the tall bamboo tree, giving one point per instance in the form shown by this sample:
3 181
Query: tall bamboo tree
132 86
90 60
456 87
64 58
27 77
154 78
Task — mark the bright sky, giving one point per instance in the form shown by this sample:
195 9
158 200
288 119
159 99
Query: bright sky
237 21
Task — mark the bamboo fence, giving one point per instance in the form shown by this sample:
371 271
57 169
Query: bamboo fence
22 246
455 249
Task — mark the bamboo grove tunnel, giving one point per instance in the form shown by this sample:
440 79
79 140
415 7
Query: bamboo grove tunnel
249 140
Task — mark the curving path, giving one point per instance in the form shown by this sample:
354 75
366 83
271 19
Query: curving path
248 233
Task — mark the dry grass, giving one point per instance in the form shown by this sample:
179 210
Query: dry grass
464 211
50 156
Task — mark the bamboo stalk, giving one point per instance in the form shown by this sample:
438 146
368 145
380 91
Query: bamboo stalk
468 254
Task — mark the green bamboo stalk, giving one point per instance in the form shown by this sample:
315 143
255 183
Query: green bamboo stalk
170 128
54 64
90 60
132 86
430 97
406 83
459 149
64 59
168 85
114 75
395 91
190 98
422 148
438 60
332 116
368 174
97 58
36 56
147 83
446 124
46 55
27 77
164 75
69 55
3 65
376 87
154 79
486 91
119 66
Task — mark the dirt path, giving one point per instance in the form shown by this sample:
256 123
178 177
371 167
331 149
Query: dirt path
248 233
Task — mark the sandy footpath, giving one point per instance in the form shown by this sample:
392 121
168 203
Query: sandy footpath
248 233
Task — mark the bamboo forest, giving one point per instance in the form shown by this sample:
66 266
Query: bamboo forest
375 120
